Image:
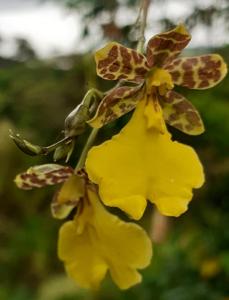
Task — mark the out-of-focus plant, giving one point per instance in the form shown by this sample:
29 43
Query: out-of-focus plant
105 15
141 162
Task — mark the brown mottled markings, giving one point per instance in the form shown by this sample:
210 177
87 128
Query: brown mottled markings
49 175
121 91
169 43
181 107
176 62
25 186
102 63
217 75
34 179
193 61
188 79
24 176
37 180
122 107
203 84
113 53
112 98
189 127
114 67
209 71
126 57
186 64
173 117
158 58
126 69
138 58
138 78
140 71
170 97
109 116
175 35
56 179
193 118
103 71
178 126
109 76
175 75
205 58
122 76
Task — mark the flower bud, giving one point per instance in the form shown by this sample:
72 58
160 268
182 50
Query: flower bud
26 146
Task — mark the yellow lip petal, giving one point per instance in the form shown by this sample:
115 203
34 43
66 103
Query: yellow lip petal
144 162
105 243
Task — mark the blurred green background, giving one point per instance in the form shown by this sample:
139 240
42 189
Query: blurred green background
191 253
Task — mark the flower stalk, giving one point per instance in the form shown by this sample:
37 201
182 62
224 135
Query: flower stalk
143 21
86 148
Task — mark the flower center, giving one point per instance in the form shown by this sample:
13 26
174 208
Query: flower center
160 78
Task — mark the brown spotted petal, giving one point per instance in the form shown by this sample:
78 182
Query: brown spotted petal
198 72
68 197
181 114
163 48
42 175
115 61
117 103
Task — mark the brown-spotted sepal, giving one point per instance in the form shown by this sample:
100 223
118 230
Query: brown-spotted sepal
117 103
115 61
43 175
68 197
181 114
198 72
163 48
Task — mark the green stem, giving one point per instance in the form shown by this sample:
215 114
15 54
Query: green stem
86 148
87 99
143 11
90 94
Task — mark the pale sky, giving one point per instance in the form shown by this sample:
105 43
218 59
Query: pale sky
48 27
52 29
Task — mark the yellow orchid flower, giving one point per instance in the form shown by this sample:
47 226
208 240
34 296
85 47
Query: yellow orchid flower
157 72
141 163
95 241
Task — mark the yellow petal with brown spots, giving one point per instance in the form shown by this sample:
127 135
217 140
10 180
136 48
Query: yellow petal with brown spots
115 61
165 47
43 175
181 114
117 103
198 72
